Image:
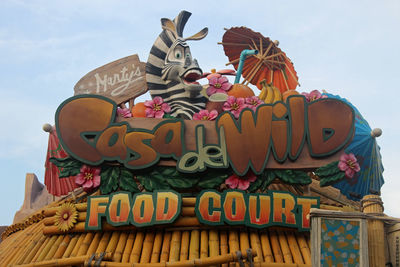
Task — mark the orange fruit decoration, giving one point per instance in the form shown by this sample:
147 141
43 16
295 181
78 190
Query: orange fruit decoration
139 110
288 93
240 90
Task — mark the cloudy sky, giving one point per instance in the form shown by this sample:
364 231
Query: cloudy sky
350 48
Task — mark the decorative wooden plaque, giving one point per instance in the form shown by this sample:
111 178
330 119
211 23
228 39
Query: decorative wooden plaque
120 80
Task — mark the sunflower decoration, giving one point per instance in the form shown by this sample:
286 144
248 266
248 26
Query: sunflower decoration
66 216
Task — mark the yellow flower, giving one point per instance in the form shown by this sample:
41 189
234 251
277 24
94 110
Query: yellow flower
66 216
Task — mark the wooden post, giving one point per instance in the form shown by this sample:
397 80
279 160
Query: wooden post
372 204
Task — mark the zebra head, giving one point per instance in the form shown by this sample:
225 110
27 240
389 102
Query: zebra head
171 72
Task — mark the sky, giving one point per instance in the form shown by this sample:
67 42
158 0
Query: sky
349 48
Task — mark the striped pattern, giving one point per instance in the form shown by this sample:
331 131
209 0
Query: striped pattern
182 103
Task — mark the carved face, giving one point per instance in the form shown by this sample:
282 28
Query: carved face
181 67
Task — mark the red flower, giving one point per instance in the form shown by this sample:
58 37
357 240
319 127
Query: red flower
218 85
348 163
124 112
240 182
234 105
156 108
88 178
205 115
253 102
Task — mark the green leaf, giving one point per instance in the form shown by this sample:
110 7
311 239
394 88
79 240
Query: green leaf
168 116
210 182
328 170
213 178
293 177
328 180
127 182
109 179
68 166
256 184
267 177
181 183
153 181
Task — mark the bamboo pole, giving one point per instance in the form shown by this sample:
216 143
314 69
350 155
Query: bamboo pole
73 261
147 247
54 248
273 237
63 246
155 254
244 240
71 246
372 204
256 245
194 244
305 250
164 256
188 201
233 241
80 226
85 244
203 244
57 262
294 248
223 239
233 244
120 247
35 239
112 244
49 212
74 252
103 243
94 244
184 254
137 248
26 243
175 246
128 247
49 221
213 241
11 254
188 211
35 250
39 251
46 249
232 257
287 256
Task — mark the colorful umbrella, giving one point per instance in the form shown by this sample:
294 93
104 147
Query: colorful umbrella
55 185
270 63
369 179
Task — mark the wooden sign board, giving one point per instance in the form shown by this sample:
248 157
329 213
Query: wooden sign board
274 135
120 80
232 207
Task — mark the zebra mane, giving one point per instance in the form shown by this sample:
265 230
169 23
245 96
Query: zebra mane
172 92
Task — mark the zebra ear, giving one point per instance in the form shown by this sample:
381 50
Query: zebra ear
198 36
168 25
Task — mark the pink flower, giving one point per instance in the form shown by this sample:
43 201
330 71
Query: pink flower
88 178
218 85
205 115
156 108
124 112
348 163
234 105
253 102
240 182
313 95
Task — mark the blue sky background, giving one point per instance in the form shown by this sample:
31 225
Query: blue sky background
350 48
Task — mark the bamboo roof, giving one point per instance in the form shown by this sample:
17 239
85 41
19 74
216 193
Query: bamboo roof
36 241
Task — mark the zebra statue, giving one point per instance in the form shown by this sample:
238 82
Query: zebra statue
172 73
